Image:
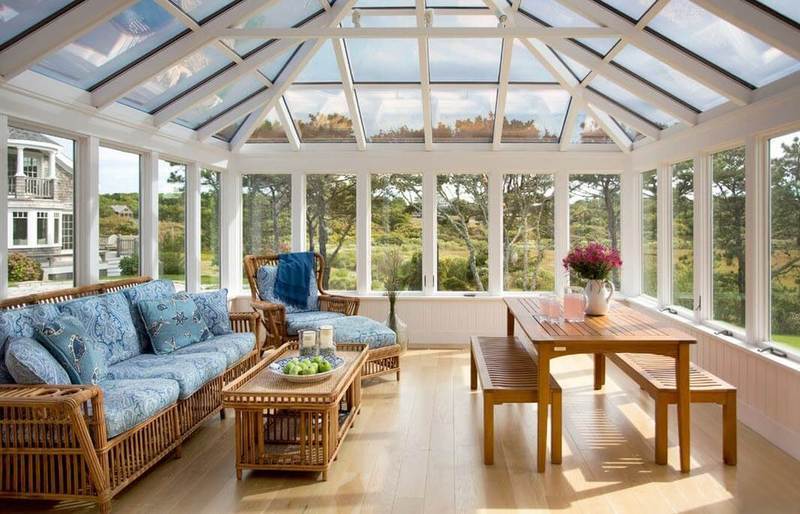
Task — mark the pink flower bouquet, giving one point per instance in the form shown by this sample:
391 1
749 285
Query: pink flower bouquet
594 261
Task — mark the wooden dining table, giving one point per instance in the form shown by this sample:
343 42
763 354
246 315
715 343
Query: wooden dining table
623 330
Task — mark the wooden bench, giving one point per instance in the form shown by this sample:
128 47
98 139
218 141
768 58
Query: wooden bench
508 374
655 374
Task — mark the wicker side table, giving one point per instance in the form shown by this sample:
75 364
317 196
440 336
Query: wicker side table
282 425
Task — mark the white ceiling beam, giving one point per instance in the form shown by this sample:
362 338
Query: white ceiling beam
248 126
288 124
502 92
757 22
622 114
569 124
424 77
611 128
56 34
307 32
664 51
350 94
126 81
247 65
178 14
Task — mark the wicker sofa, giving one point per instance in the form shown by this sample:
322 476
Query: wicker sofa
337 310
56 441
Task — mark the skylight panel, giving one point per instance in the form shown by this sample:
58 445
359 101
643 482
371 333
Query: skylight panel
270 131
18 16
369 58
524 67
376 21
273 69
177 79
110 47
320 115
722 43
578 70
534 115
632 102
554 14
392 116
465 60
385 3
220 102
788 8
471 20
633 9
668 78
456 3
633 134
322 68
280 15
228 132
588 131
465 115
199 10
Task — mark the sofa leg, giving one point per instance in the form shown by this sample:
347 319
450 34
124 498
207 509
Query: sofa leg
222 414
104 506
398 375
178 451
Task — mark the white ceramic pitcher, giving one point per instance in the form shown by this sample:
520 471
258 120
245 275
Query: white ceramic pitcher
598 296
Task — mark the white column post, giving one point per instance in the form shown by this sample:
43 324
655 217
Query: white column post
4 214
148 215
87 212
664 234
429 251
495 197
631 230
231 230
298 212
757 240
363 232
703 238
51 168
561 228
20 161
193 228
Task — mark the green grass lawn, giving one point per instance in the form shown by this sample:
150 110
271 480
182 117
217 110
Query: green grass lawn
790 340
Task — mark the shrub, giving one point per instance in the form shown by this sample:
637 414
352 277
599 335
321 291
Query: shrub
22 268
129 265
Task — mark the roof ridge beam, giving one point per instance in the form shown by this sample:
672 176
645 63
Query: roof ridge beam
57 33
147 68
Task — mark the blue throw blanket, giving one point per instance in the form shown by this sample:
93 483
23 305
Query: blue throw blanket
293 283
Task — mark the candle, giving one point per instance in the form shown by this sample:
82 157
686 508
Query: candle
326 346
308 343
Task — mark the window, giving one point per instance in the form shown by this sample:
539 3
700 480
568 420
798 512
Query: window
119 213
728 196
35 263
266 214
528 247
172 222
41 228
784 155
650 233
463 114
321 115
397 231
534 115
209 229
392 115
594 213
20 229
331 227
683 234
462 233
68 232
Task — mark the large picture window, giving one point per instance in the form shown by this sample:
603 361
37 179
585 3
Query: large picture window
172 222
397 231
650 233
683 234
331 227
784 155
528 248
119 214
462 244
728 195
209 229
266 214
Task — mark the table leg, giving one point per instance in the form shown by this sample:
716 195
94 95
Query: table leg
510 320
599 371
542 407
684 403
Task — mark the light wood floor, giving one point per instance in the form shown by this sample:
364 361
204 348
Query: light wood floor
417 448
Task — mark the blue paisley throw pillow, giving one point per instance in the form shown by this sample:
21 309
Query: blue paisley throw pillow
29 362
173 322
214 309
78 352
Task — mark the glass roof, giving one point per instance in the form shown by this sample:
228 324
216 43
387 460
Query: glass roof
788 8
721 43
17 16
392 116
199 10
320 115
220 102
633 9
270 131
632 102
385 3
633 134
534 115
322 68
280 15
273 69
463 114
554 14
524 67
368 58
588 131
228 132
465 60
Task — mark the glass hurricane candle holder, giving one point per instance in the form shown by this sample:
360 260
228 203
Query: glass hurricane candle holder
326 346
308 343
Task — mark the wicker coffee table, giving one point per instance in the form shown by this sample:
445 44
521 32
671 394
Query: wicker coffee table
282 425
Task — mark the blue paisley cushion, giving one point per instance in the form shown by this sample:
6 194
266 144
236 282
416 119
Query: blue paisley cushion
152 290
5 375
214 309
126 403
233 346
75 349
108 319
359 329
173 322
28 362
309 320
21 322
265 278
191 372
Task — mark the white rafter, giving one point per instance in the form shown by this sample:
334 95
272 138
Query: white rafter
611 128
142 71
310 32
569 125
248 126
424 77
57 33
350 93
288 124
502 92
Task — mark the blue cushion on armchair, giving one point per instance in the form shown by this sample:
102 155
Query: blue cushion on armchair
75 349
22 322
297 321
265 278
214 310
360 329
29 362
173 322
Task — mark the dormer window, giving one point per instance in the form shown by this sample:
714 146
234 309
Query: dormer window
31 165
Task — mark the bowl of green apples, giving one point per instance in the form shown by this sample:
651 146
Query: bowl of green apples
306 369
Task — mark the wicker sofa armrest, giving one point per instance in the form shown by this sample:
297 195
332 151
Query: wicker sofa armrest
273 319
242 322
347 305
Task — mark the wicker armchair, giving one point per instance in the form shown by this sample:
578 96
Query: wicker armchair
273 315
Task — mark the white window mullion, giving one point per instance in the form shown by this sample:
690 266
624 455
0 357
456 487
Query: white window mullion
495 233
757 240
664 235
561 228
703 238
631 231
87 213
4 225
193 228
148 216
230 238
298 212
363 232
429 213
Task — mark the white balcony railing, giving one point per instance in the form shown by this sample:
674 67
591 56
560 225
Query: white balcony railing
30 187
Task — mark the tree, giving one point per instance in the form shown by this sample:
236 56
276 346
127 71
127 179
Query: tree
330 220
594 212
266 209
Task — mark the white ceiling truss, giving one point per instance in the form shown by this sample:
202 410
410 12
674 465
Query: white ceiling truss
548 45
